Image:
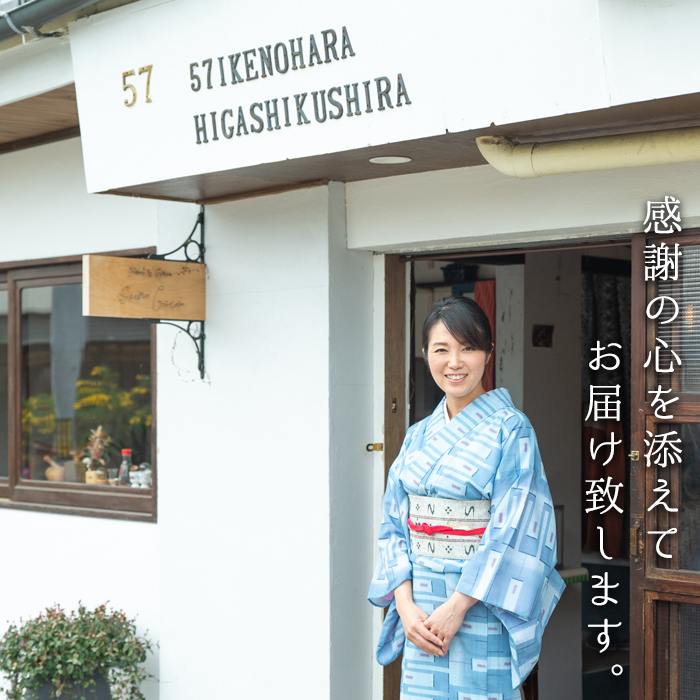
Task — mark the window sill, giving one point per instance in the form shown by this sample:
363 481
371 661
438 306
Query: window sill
93 497
6 503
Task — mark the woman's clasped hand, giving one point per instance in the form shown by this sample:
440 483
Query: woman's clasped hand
413 621
432 633
446 619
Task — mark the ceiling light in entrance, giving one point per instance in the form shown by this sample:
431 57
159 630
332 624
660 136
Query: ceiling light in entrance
390 160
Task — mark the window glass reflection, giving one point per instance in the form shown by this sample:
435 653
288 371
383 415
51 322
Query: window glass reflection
78 375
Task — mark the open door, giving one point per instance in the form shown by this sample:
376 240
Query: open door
665 568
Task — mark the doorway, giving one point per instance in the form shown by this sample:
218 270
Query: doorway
656 638
546 308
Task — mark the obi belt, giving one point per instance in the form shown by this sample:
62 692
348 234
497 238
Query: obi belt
446 528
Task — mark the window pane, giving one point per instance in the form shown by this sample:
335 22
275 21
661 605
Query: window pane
689 506
3 385
78 374
677 645
676 460
683 334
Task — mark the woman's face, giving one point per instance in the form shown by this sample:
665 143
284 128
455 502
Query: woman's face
457 369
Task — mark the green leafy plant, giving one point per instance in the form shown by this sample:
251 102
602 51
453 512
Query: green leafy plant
125 413
65 649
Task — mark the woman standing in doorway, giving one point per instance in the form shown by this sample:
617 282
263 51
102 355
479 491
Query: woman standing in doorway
467 541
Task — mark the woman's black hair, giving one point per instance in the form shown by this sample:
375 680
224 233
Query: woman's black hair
464 319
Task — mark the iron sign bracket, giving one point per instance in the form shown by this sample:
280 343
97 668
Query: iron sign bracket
190 240
193 329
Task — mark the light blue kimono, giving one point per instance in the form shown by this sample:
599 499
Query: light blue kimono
488 451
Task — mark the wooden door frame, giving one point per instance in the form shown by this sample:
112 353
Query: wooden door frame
637 496
394 399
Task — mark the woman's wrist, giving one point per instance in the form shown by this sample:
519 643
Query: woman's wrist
403 594
462 602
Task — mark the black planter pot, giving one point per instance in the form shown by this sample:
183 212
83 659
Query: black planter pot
76 691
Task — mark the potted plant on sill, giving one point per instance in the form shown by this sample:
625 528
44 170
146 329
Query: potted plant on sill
95 456
84 655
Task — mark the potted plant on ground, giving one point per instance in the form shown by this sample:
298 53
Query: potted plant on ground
84 655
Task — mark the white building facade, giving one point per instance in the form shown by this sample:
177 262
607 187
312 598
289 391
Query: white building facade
249 559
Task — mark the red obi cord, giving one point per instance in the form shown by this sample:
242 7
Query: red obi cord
444 529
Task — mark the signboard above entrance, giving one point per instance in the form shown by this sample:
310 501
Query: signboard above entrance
172 91
207 92
138 288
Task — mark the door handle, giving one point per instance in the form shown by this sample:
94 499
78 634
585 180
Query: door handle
634 540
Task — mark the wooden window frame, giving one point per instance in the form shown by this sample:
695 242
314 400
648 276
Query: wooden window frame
60 497
657 568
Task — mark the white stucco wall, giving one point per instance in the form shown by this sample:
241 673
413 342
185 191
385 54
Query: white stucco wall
34 68
245 448
351 466
379 320
479 206
46 211
54 558
250 461
269 466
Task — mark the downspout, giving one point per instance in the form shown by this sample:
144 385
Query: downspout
27 18
585 155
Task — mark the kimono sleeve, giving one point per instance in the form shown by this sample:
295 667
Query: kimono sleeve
394 565
518 550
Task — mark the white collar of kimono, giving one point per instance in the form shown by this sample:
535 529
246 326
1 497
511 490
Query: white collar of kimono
447 415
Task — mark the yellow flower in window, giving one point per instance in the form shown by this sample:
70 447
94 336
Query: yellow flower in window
92 401
124 398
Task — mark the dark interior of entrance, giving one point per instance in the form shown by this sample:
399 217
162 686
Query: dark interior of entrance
548 309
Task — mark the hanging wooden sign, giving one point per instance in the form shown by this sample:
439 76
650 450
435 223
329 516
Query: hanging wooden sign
139 288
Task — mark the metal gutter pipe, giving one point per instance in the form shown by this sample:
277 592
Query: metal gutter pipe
585 155
27 18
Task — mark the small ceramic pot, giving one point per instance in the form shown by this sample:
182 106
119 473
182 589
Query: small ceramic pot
56 473
96 476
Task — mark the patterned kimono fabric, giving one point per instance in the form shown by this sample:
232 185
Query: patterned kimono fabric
488 451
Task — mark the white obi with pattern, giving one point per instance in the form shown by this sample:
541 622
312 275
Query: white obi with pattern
460 515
